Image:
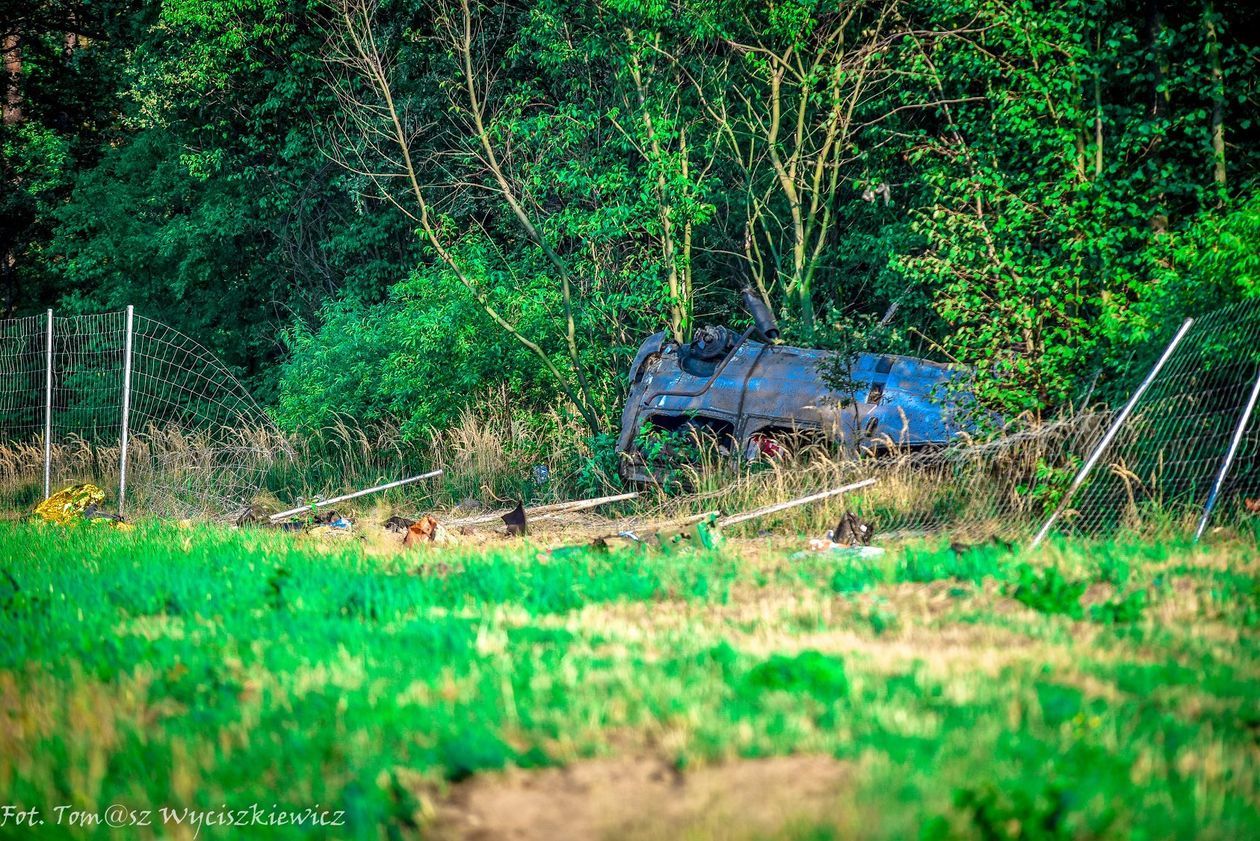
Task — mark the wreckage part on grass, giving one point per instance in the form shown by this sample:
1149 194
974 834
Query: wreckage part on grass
704 533
821 544
550 508
851 530
70 504
398 525
685 521
650 529
425 530
78 502
320 504
792 503
251 515
515 520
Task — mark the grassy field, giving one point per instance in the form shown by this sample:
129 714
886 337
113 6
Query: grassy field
1084 691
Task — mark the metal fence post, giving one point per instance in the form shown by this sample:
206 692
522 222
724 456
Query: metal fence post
1111 433
1223 473
126 411
48 385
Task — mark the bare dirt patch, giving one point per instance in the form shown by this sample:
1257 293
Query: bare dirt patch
643 798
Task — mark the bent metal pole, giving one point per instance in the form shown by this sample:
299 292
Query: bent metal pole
792 503
323 502
1223 473
1111 433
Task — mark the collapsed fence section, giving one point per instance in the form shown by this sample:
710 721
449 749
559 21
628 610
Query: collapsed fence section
1181 454
1188 451
133 405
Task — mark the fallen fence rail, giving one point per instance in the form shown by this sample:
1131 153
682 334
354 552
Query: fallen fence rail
323 503
793 503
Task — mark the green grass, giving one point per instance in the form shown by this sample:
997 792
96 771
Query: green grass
1102 690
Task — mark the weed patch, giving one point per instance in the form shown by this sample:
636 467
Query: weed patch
963 563
1047 591
809 673
1122 611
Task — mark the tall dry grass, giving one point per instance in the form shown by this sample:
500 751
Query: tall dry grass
1000 486
494 456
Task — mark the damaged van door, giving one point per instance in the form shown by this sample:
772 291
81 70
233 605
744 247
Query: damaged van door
752 396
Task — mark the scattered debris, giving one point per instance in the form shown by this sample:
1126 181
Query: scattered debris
536 512
653 528
705 533
850 533
253 514
70 504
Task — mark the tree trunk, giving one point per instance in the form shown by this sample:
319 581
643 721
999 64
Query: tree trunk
12 79
1218 96
1098 109
1155 69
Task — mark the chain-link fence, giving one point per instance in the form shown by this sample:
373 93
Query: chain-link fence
130 404
1187 450
73 389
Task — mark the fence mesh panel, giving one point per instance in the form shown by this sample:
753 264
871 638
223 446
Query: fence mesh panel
1161 466
198 442
23 357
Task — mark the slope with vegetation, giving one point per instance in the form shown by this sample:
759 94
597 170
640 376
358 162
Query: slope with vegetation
385 209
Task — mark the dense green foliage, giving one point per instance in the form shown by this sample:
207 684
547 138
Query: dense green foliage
1036 187
974 694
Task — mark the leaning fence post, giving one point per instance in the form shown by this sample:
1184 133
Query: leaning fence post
126 411
1228 462
1111 433
48 384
